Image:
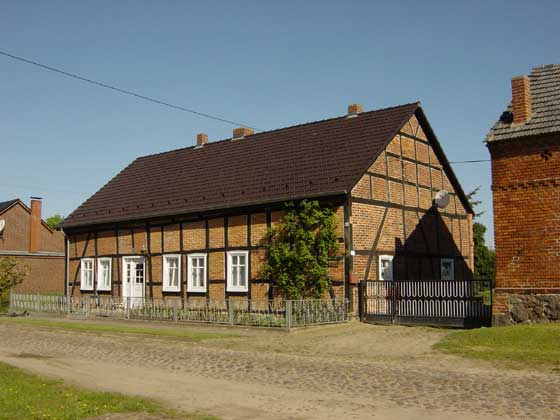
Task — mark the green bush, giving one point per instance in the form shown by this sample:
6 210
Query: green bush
299 248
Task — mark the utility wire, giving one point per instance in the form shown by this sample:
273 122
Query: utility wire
157 101
126 92
471 161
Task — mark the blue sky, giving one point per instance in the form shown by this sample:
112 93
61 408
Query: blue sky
265 64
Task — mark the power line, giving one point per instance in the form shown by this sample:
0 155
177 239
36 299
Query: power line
126 92
157 101
471 161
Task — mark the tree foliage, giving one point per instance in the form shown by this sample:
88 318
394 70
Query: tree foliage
484 257
299 248
12 273
54 221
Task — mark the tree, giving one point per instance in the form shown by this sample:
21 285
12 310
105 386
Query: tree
12 273
298 250
484 257
55 221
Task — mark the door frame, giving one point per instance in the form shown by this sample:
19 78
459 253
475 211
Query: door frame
127 289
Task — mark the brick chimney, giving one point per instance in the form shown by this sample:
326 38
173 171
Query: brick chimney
241 132
201 139
521 99
354 110
35 225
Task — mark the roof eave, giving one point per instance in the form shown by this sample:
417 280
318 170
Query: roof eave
444 161
330 194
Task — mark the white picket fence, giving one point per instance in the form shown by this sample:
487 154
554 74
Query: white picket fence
263 313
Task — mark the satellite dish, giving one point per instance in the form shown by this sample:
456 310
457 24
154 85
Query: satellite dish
2 225
442 199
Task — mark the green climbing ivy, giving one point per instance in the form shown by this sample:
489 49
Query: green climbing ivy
299 248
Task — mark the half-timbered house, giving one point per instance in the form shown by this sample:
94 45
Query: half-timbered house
189 223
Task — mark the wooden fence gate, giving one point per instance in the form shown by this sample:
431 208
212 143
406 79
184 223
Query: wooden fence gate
464 304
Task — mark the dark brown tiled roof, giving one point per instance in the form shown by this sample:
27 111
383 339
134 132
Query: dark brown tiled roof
309 160
545 98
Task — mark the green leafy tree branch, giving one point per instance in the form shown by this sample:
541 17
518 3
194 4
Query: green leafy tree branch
299 248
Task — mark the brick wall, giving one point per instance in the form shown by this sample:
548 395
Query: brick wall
392 213
46 272
46 275
213 236
526 196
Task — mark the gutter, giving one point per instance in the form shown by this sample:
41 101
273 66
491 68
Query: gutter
31 254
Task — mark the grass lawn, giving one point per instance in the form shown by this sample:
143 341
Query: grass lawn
25 396
519 346
179 332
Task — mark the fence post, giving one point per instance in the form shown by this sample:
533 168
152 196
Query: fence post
128 308
231 312
361 299
175 311
11 307
288 314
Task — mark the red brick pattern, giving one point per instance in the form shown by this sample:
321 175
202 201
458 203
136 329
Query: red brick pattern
416 181
46 273
526 194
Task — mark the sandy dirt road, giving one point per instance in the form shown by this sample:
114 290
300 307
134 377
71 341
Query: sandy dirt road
352 371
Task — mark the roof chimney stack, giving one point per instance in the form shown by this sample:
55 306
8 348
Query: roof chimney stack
241 132
354 110
201 139
521 99
35 225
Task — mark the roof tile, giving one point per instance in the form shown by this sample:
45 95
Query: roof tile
545 98
312 159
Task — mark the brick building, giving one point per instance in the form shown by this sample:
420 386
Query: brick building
525 148
26 237
189 223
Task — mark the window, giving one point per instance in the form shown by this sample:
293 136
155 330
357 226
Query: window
104 274
237 280
196 278
447 267
385 267
86 275
171 273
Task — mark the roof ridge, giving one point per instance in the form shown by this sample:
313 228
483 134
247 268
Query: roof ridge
546 67
278 129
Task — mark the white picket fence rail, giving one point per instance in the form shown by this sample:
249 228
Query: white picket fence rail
264 313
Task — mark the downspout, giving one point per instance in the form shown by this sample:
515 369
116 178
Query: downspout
66 262
348 291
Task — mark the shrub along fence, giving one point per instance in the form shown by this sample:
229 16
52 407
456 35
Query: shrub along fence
262 313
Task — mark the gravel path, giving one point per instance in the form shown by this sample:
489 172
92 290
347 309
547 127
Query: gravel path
402 384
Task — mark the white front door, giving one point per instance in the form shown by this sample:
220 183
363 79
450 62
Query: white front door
133 281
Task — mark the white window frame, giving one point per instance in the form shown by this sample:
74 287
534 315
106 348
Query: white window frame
447 260
100 285
83 285
191 287
385 258
166 286
230 286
